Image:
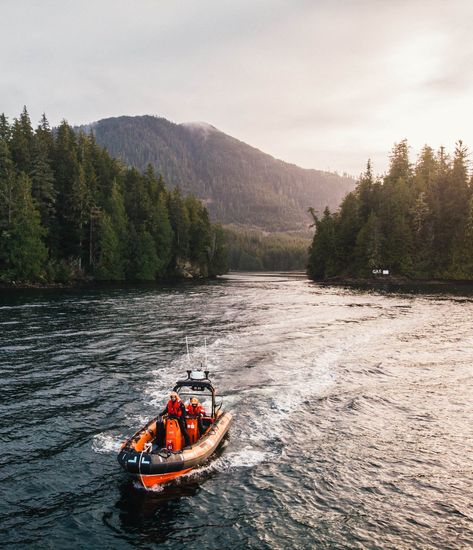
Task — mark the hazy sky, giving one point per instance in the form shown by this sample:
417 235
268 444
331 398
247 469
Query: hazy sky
322 83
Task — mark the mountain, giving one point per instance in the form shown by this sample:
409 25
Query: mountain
238 183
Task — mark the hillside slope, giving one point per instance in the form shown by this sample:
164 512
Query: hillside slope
238 183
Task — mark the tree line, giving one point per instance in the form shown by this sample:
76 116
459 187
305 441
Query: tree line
68 210
416 221
253 250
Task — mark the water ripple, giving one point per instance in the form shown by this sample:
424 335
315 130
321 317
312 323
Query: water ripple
352 413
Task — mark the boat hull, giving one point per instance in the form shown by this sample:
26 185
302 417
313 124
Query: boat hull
149 481
155 468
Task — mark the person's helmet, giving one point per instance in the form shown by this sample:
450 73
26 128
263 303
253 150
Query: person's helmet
194 401
174 394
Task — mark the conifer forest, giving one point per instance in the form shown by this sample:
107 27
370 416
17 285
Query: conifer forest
70 212
415 222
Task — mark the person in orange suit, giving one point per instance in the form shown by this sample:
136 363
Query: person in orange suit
196 410
175 408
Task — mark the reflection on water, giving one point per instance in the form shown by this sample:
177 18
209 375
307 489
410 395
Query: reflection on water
150 514
353 415
434 288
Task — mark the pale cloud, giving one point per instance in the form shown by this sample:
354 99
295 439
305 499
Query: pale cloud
324 84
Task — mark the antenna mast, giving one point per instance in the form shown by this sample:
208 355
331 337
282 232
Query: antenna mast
187 348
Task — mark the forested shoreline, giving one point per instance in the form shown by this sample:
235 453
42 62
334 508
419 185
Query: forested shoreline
415 222
254 250
70 212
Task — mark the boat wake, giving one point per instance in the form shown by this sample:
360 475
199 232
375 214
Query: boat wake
107 443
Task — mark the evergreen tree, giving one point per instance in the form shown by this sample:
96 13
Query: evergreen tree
115 207
459 195
137 199
323 253
348 224
426 170
144 260
44 136
218 253
85 158
26 253
66 167
7 184
199 233
397 238
422 235
467 255
369 245
77 201
5 130
110 265
7 200
43 190
399 166
366 195
162 235
395 212
21 142
179 218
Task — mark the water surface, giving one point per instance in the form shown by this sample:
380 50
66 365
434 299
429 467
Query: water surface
353 416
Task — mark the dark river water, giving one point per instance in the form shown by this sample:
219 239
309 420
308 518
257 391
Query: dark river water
353 416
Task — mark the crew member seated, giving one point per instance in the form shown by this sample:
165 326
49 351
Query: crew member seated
196 410
175 408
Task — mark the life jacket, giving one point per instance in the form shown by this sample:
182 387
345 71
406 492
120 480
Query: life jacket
191 411
174 408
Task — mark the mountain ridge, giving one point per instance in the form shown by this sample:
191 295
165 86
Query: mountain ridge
238 183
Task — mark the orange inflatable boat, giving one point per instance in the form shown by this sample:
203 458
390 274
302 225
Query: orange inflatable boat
155 455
